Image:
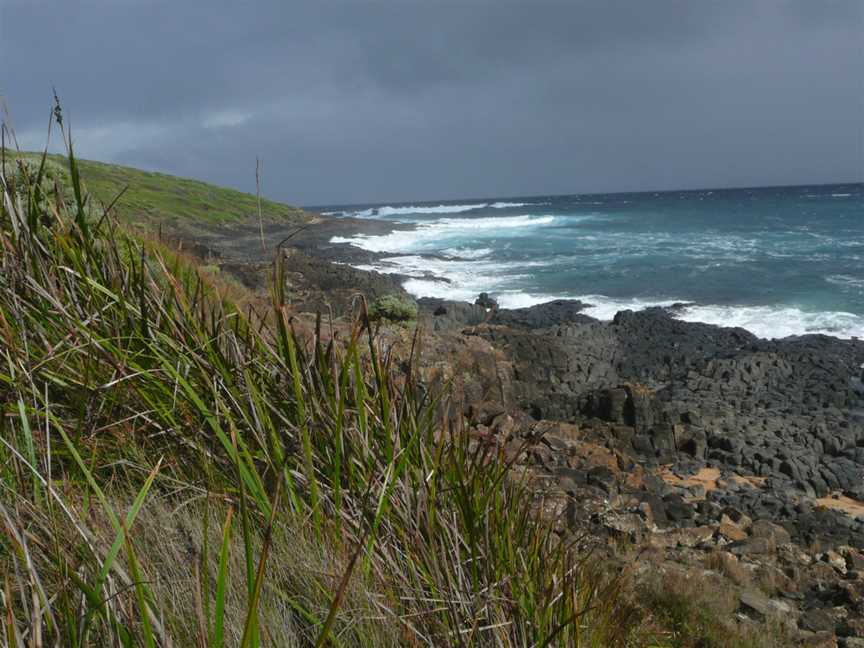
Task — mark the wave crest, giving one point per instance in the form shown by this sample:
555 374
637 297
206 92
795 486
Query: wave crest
427 235
386 211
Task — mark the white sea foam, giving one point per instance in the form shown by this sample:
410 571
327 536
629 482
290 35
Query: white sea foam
778 321
464 280
517 299
605 308
509 205
463 263
493 222
386 211
764 321
466 253
840 195
846 281
441 230
458 279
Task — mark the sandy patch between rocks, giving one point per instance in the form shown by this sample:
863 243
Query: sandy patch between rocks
748 480
847 505
706 477
709 479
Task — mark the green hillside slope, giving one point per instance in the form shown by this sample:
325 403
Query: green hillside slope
153 198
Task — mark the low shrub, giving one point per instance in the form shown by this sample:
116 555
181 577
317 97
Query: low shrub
30 179
394 308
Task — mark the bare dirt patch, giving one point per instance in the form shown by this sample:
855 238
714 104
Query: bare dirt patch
847 505
706 477
709 479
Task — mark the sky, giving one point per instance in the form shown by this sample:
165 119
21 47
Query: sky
399 100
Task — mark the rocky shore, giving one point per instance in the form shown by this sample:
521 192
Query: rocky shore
697 449
711 448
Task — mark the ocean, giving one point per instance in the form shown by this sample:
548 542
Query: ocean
777 261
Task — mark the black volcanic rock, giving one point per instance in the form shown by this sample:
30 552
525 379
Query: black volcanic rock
486 301
554 313
444 315
789 411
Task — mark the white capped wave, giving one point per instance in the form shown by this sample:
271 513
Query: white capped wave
389 210
605 308
466 253
465 279
494 222
473 274
770 322
456 279
518 299
386 211
840 195
846 281
778 321
443 229
509 205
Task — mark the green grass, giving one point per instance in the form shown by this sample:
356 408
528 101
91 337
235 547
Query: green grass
178 470
179 466
151 198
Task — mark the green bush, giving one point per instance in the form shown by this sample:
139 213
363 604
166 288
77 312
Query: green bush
23 176
394 308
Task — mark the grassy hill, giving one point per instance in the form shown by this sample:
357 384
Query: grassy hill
153 198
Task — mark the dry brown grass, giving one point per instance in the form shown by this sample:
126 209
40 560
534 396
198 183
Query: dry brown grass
728 564
695 608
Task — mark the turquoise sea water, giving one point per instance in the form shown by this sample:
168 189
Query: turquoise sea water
777 260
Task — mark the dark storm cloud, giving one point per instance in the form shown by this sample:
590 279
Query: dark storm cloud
363 101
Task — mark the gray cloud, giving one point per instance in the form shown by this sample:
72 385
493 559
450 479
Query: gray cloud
403 99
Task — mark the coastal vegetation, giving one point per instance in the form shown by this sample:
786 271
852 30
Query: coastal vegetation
177 471
183 464
394 308
152 199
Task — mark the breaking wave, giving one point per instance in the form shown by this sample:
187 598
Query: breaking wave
759 259
389 211
464 280
441 230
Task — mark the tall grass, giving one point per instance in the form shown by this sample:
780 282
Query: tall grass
176 470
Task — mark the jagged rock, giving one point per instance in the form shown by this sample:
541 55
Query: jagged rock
484 412
731 532
735 517
771 419
775 409
629 524
816 620
770 531
603 478
852 627
854 558
693 536
753 546
485 301
677 509
834 559
443 315
554 313
794 555
765 609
